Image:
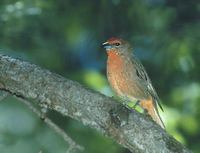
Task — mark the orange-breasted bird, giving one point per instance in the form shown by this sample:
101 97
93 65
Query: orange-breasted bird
129 79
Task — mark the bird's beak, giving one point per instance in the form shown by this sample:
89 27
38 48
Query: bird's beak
106 45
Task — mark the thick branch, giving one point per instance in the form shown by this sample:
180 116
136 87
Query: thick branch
133 130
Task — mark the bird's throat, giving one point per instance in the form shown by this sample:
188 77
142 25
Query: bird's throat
113 54
115 61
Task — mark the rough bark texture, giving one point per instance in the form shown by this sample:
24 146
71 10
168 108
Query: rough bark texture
131 129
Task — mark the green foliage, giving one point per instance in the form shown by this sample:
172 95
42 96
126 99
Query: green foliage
64 36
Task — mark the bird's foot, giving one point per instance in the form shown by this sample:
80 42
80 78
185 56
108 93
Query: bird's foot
126 105
136 104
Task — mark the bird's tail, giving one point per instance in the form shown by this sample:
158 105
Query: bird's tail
152 110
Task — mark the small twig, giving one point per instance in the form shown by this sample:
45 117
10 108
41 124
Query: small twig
72 144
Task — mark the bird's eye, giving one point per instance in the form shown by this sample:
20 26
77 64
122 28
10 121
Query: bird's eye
117 44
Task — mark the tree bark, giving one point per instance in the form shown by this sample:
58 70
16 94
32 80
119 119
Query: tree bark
131 129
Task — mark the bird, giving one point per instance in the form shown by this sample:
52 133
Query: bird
129 79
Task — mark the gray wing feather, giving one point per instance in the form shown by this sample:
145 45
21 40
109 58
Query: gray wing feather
145 80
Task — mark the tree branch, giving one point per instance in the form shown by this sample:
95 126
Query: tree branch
132 130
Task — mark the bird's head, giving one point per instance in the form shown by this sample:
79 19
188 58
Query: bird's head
117 45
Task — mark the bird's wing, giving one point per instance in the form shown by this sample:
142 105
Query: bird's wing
145 81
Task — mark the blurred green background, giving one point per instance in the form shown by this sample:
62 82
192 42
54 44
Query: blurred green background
64 36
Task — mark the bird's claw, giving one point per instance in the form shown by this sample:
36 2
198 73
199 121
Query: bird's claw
136 104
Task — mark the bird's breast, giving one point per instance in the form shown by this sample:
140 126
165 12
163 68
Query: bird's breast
117 73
